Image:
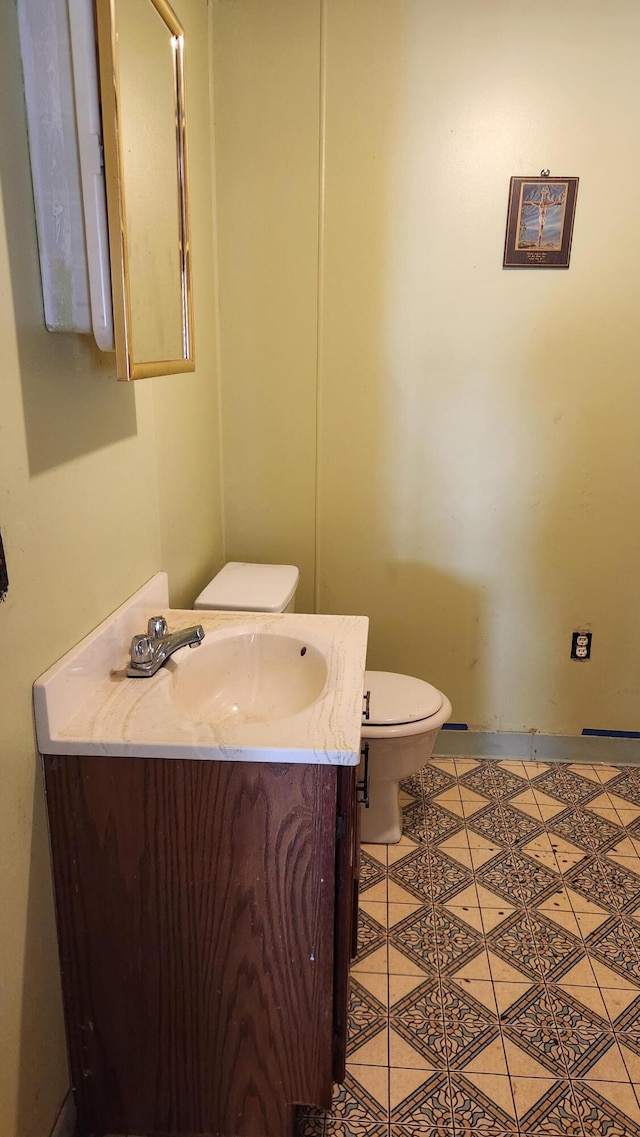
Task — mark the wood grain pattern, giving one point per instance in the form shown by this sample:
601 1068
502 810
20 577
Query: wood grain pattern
195 907
347 869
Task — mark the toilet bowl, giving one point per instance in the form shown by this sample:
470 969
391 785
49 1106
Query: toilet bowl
402 714
404 717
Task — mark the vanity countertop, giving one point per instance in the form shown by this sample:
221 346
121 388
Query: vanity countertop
86 704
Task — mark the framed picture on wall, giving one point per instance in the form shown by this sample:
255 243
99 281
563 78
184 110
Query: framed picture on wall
540 222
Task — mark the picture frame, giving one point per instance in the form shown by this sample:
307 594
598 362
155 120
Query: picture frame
540 222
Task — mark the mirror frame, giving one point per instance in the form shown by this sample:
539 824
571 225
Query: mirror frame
126 366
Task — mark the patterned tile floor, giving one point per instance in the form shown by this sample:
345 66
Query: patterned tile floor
496 990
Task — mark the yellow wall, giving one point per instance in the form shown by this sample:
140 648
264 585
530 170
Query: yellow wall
101 485
476 484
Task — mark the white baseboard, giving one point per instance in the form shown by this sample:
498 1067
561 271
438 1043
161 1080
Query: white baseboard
541 747
65 1123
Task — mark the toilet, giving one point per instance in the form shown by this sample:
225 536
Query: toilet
404 717
402 714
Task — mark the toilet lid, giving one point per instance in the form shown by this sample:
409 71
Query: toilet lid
244 587
399 698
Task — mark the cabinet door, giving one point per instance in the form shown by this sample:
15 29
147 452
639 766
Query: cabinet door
195 907
347 860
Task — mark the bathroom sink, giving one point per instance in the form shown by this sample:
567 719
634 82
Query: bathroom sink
283 687
256 676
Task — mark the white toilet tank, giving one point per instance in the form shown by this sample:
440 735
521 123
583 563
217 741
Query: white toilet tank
243 587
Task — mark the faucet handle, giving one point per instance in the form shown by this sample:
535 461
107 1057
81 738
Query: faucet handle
156 627
141 649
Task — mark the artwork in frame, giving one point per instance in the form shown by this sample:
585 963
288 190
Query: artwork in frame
540 222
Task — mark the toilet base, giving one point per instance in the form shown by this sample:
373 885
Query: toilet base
390 761
381 823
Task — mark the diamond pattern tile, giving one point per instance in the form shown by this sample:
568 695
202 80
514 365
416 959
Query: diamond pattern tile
496 991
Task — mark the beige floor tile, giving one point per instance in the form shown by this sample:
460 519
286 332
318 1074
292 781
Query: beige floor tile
375 909
465 765
373 1053
469 848
400 965
581 905
581 975
455 842
601 774
589 915
468 898
624 808
377 893
629 847
622 1095
527 1091
402 1055
477 968
606 811
406 799
540 847
480 989
463 804
398 852
503 972
520 1064
469 915
526 769
590 997
404 1081
446 764
632 1064
567 920
482 844
378 852
469 794
614 809
461 855
537 804
402 985
508 993
497 1087
547 859
397 912
377 984
396 894
479 857
632 864
492 917
490 1060
469 808
580 924
617 1001
588 972
378 961
374 1079
606 978
589 922
610 1068
489 899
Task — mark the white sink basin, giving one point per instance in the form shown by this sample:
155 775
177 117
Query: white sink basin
260 688
254 677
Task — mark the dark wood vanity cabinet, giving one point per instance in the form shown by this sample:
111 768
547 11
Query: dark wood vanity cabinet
205 919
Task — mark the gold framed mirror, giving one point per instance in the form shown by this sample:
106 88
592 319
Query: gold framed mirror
141 61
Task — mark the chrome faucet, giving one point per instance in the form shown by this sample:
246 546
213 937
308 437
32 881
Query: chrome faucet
149 652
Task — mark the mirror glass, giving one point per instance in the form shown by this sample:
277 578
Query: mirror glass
141 49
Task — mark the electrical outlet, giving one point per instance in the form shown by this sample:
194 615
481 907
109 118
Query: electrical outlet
581 646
